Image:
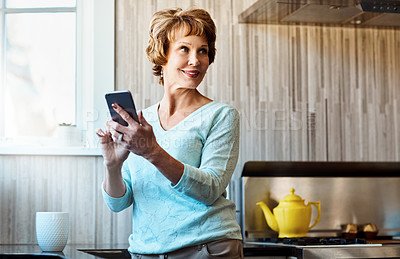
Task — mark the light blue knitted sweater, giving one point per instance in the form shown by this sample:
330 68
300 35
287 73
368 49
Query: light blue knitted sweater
167 217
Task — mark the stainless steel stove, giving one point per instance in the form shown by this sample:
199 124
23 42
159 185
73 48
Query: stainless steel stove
350 192
324 247
311 241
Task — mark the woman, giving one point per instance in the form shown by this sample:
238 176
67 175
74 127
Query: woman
173 166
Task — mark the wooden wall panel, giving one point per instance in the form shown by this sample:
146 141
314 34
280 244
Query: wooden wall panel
304 92
53 183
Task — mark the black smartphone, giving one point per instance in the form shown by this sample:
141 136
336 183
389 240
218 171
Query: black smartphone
124 99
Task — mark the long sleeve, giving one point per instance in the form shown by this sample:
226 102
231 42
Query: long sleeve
218 161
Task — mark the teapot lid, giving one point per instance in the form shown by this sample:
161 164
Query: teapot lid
292 196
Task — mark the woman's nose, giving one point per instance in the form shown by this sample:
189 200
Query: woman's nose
193 59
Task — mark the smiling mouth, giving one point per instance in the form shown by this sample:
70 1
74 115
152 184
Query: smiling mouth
191 74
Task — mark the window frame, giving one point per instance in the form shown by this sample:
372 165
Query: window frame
95 73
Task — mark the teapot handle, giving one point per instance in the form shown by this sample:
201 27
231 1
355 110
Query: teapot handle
317 204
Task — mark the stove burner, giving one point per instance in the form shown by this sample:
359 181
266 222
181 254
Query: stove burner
304 241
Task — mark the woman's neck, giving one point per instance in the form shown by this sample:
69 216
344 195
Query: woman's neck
174 107
182 100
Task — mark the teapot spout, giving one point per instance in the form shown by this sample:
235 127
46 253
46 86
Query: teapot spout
269 217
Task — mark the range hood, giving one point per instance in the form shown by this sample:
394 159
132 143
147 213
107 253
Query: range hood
355 13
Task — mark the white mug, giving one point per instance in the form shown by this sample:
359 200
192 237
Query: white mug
52 229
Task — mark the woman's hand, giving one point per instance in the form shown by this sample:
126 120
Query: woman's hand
136 137
114 152
114 155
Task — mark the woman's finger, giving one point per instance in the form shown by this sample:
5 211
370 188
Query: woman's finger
117 136
100 133
108 126
124 114
142 120
114 134
103 137
116 126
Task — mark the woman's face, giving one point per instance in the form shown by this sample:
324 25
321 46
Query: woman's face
187 62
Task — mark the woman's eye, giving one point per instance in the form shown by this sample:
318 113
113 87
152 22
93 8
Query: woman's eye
185 49
203 51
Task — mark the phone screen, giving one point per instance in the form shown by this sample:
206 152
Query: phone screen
123 99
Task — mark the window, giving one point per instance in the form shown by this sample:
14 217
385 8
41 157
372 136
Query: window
39 56
52 54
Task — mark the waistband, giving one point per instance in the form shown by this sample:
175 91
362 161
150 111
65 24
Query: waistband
198 251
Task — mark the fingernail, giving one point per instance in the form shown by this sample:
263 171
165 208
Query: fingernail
114 106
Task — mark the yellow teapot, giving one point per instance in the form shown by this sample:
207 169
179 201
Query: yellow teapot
291 217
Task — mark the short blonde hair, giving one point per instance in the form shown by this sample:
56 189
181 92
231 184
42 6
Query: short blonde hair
164 26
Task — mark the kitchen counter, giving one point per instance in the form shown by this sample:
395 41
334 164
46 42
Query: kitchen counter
70 251
74 251
368 250
114 251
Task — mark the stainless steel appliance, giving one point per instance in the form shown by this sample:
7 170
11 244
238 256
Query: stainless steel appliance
350 192
350 13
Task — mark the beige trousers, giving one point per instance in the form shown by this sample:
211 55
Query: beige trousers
222 249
